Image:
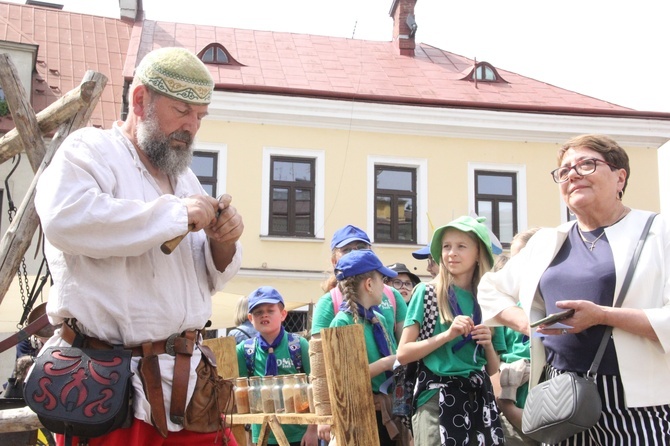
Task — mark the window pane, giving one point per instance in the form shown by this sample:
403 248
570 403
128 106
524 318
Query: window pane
202 166
395 180
383 218
494 185
221 56
291 171
208 56
209 189
405 220
303 211
485 209
279 218
506 219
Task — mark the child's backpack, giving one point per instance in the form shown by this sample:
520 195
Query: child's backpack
404 376
337 297
293 349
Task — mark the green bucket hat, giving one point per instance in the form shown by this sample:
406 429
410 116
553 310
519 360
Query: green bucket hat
177 73
465 224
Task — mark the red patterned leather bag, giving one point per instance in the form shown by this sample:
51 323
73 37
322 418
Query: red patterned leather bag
80 391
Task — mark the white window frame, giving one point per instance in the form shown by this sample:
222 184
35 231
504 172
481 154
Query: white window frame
421 166
319 157
221 161
521 188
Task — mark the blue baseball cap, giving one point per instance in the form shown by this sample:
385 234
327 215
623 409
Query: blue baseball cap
348 234
423 253
360 262
264 295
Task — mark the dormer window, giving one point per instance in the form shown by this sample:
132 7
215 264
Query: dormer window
216 54
484 72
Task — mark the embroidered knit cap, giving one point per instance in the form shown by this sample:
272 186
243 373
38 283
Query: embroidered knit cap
177 73
465 224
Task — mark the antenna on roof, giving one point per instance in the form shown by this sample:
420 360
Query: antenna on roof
354 32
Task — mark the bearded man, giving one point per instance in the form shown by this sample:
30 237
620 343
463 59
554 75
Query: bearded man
107 202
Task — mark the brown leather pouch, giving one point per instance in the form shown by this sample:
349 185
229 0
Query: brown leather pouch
149 371
212 397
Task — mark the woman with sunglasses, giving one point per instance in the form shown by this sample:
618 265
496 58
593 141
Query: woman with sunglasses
581 265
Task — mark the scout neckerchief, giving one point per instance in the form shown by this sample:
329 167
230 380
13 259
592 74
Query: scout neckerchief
377 328
476 317
271 363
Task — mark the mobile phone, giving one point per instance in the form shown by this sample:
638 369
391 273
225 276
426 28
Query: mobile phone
553 318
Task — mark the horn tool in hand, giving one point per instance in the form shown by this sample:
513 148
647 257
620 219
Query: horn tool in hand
171 245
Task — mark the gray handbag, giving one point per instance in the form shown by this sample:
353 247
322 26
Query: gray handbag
567 404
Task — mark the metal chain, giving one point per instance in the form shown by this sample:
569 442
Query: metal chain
22 272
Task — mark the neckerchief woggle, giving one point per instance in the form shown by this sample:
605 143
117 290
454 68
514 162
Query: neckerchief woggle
271 363
476 317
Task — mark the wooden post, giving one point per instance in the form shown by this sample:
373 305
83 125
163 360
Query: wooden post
349 386
20 233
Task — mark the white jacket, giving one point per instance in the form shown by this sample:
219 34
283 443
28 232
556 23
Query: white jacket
644 364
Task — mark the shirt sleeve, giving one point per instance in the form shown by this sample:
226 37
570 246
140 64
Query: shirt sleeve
323 314
304 352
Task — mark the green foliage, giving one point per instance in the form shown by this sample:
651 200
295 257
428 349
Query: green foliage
4 108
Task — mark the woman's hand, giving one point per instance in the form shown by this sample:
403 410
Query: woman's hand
587 314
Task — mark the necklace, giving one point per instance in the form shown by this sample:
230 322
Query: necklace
585 240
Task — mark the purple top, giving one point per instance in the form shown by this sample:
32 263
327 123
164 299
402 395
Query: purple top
579 273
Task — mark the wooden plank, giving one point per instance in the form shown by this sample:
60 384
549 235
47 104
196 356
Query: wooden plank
354 419
278 431
264 434
283 418
22 112
18 420
226 366
50 118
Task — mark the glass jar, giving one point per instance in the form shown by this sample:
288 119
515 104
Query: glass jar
266 395
277 395
310 396
242 395
255 400
300 396
287 393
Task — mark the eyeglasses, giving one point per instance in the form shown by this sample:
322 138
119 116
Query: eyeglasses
357 247
398 284
583 168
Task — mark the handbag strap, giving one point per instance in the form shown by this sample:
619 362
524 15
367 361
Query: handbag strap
622 294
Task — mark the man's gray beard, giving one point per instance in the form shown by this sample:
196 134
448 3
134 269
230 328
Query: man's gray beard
173 161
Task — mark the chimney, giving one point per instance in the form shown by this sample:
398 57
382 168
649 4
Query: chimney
404 26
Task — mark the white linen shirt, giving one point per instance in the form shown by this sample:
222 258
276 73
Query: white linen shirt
104 218
644 364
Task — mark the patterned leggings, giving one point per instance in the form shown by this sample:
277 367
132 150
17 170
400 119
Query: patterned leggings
620 425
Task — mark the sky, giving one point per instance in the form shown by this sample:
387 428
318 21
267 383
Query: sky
617 51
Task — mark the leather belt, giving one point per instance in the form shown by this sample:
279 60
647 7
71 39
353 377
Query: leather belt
158 347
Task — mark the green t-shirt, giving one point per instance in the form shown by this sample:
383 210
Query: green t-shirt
323 311
293 432
517 349
443 361
342 319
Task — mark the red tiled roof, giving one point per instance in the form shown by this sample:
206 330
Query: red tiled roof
319 66
69 45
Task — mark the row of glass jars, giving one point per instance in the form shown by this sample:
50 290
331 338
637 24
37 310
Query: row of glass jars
274 394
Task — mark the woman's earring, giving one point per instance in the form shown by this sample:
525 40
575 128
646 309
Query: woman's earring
619 195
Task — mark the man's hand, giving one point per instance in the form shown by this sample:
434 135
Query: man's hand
227 227
201 211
